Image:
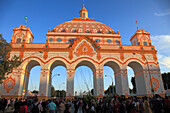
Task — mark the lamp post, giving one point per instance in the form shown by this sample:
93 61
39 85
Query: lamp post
152 90
53 77
23 92
59 88
112 80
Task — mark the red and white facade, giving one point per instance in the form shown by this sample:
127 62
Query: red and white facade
84 41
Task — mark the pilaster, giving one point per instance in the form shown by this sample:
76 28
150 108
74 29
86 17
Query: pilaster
45 83
70 83
98 83
121 81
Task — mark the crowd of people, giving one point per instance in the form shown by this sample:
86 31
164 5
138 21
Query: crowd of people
157 104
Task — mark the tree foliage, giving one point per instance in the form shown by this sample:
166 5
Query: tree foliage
35 91
134 85
166 80
110 90
52 91
6 63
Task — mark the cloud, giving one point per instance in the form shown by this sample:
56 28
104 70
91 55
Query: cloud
167 12
162 45
166 62
161 42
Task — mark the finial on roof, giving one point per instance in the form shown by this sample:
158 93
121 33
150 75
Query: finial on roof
83 14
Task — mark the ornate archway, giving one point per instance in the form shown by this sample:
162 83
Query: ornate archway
84 39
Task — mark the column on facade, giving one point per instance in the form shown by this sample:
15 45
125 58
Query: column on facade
70 82
45 83
24 79
19 75
121 82
98 83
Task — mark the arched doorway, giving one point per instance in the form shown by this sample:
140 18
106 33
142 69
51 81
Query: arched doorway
84 77
109 70
109 80
83 83
131 80
139 77
32 72
58 78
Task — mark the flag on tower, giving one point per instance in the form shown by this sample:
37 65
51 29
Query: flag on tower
136 24
25 20
25 17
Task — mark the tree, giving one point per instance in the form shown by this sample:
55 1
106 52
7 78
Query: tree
7 64
166 80
60 93
52 91
35 91
134 85
92 91
110 90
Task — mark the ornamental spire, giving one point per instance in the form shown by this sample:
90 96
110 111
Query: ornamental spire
83 13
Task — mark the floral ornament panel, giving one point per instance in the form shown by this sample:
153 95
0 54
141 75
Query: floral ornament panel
9 84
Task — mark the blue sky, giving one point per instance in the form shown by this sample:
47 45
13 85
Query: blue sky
152 15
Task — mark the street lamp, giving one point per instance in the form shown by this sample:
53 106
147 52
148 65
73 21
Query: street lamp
152 90
112 80
23 92
53 77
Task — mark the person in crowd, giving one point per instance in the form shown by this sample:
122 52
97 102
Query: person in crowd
122 108
166 105
23 107
72 106
147 106
36 107
117 105
44 106
52 107
4 104
61 108
157 105
93 106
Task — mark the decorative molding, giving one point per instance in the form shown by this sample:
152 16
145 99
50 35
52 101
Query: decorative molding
9 84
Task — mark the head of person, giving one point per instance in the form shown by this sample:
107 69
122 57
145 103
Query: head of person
36 100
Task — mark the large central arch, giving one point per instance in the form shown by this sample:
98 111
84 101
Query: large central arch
92 67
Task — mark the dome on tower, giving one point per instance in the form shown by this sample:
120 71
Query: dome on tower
83 24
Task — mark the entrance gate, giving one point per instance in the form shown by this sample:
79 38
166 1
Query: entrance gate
84 41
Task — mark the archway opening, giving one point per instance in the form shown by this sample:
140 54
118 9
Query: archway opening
31 78
109 70
58 79
131 80
109 80
134 72
83 79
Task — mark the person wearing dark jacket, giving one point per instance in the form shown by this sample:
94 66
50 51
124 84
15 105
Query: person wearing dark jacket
122 108
4 104
16 106
157 106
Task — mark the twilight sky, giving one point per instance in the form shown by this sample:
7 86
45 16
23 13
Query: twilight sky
152 15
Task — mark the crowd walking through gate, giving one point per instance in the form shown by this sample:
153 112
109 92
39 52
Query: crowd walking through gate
157 104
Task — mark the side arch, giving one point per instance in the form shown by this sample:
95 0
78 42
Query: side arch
140 81
26 66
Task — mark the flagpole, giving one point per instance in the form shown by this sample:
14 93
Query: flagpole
25 20
137 24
